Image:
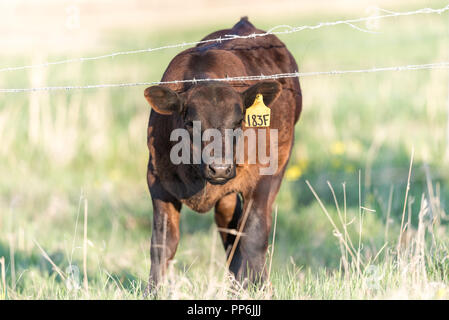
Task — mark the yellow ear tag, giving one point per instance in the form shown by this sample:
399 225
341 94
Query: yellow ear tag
258 115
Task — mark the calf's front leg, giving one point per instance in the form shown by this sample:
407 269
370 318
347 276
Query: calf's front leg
165 236
248 261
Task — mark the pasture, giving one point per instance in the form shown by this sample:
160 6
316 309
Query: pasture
65 155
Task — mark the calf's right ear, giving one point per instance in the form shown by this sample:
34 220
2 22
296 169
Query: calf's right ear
163 100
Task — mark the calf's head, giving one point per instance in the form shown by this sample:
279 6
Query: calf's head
210 109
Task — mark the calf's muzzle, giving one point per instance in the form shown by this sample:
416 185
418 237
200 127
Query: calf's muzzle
217 173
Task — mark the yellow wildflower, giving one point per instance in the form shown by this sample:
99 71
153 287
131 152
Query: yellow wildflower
338 148
293 173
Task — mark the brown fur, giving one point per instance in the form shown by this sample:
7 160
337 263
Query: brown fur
171 185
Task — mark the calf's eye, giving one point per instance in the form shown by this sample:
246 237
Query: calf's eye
188 124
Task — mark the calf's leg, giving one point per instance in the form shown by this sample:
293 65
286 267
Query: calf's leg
227 213
248 260
165 236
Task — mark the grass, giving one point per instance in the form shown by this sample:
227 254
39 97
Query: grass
75 213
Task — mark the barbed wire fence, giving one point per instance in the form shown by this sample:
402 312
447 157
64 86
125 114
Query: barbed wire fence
439 65
273 31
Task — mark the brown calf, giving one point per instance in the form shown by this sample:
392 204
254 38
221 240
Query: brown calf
234 190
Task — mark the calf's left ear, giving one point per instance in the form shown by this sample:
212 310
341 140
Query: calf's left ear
163 100
270 91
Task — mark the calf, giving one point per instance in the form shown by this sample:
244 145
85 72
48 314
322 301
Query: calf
240 195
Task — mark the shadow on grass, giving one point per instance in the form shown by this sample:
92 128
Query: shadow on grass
33 260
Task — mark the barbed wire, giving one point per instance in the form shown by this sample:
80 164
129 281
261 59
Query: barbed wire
288 30
438 65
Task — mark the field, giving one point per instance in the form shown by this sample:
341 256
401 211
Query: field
68 155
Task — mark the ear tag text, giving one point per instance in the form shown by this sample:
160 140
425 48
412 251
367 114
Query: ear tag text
258 115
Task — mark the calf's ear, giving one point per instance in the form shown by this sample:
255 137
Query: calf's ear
163 100
270 90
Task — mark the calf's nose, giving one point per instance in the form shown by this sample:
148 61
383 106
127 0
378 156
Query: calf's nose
220 171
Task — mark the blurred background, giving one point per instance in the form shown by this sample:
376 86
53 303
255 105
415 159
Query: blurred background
59 148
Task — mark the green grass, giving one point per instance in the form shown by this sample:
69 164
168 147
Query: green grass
59 149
